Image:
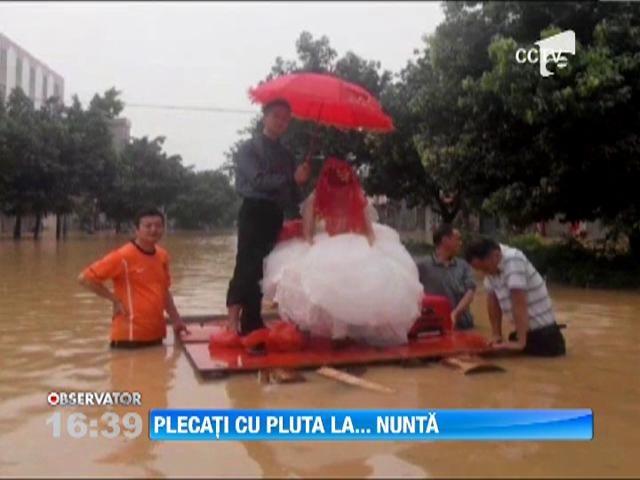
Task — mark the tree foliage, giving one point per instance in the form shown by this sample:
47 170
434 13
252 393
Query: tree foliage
208 201
61 160
530 147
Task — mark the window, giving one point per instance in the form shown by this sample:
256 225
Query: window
3 67
19 72
45 87
32 83
3 74
56 91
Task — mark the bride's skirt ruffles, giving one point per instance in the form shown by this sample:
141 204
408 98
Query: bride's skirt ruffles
340 286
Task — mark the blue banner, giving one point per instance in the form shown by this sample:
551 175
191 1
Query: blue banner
368 425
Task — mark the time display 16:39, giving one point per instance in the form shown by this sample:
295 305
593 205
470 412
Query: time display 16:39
78 425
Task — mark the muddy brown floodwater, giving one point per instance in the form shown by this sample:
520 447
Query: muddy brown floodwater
55 338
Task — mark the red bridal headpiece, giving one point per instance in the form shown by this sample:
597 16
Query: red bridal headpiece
339 198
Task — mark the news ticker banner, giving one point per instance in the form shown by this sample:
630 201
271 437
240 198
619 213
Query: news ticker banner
370 425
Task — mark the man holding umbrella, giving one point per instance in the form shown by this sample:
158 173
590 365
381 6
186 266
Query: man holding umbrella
267 179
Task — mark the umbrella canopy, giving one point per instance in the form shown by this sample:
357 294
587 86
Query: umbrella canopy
325 99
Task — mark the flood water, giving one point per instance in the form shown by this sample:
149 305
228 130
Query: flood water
55 338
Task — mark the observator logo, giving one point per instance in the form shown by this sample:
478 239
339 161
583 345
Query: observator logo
551 49
96 399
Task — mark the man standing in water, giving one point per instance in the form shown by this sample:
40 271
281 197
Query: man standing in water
140 274
515 288
267 180
443 273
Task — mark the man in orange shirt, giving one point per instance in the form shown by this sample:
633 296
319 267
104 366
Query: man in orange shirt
141 280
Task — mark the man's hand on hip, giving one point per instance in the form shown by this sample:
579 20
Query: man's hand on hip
119 308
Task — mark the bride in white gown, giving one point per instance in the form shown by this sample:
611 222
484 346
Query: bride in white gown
347 277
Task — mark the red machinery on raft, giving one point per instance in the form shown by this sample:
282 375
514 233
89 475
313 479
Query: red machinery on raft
214 351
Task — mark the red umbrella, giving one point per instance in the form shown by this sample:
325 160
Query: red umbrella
325 99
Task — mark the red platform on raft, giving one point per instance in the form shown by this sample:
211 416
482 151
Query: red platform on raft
319 352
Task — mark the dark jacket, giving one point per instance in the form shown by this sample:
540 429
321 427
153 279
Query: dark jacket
265 170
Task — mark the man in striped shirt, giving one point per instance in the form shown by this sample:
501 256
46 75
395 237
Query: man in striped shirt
515 288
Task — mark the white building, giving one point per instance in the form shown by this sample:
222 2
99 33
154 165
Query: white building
120 129
18 68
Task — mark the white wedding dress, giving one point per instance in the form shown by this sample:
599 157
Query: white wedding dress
342 287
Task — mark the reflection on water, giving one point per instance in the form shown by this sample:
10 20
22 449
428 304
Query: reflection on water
55 337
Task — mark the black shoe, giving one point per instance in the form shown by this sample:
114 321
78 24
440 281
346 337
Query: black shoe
341 343
258 351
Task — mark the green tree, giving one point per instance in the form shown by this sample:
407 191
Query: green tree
145 175
533 147
314 55
48 177
4 155
94 159
39 183
109 103
61 160
25 173
396 169
493 135
422 160
208 201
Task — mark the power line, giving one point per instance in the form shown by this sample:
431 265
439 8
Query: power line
170 107
191 108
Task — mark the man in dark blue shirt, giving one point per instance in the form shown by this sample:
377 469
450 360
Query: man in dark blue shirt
443 273
267 179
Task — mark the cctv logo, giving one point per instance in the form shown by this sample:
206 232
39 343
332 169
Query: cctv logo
550 49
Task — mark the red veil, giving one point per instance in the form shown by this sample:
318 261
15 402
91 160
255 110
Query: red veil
339 198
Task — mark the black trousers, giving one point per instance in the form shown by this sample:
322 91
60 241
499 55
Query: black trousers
134 344
259 223
544 342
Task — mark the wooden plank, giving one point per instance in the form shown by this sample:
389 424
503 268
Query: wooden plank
349 379
471 364
280 375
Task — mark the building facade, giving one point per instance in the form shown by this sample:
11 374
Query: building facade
18 68
120 129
